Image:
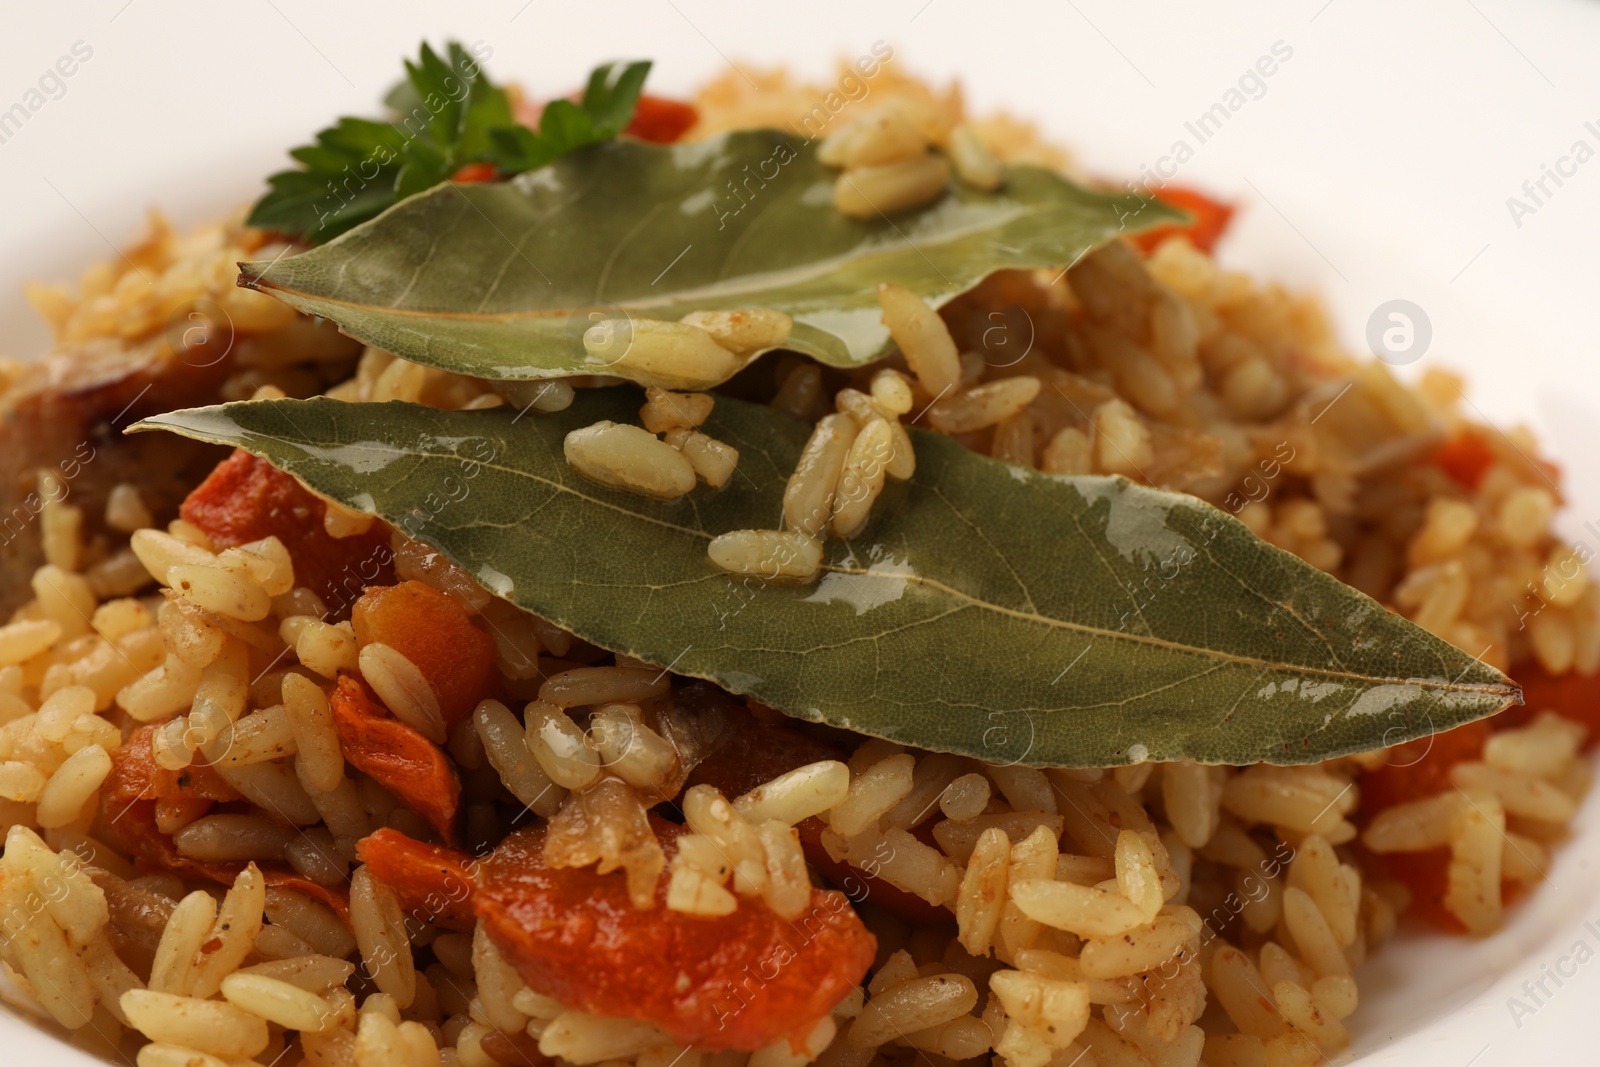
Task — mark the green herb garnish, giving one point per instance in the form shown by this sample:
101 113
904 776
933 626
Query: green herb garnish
447 115
605 111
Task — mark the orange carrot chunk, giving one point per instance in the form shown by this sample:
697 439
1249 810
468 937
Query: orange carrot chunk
396 756
434 883
738 981
1466 458
1572 696
1415 770
434 632
1209 219
137 787
1421 768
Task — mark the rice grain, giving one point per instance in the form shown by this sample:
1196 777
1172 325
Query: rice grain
673 355
404 690
922 338
888 188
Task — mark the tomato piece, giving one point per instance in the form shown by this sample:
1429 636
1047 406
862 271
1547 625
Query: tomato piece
1209 219
738 981
1466 458
434 883
660 120
475 172
431 630
395 755
1572 696
1421 768
245 499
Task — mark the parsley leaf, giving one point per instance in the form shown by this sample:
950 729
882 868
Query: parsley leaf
447 115
348 178
612 94
605 111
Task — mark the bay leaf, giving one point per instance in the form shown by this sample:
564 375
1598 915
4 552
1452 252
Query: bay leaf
501 280
988 609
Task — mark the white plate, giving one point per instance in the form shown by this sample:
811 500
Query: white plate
1375 163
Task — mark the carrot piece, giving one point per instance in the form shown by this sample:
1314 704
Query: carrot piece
1427 876
137 786
396 756
184 809
136 775
739 981
434 883
334 897
1572 696
749 753
245 499
1209 219
1421 768
1466 458
434 632
475 172
660 120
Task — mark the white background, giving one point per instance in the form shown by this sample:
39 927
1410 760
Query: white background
1376 165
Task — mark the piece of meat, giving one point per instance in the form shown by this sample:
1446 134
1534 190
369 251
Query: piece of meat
747 753
245 499
434 632
395 755
738 981
66 414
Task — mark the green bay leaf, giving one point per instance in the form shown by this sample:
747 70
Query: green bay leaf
500 280
988 609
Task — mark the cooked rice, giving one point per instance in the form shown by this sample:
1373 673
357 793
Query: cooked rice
403 688
674 355
745 330
1151 914
887 188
